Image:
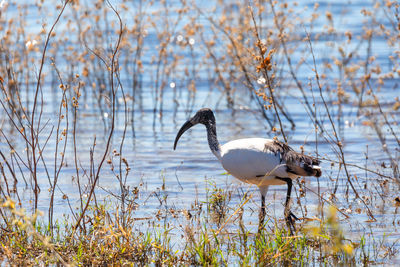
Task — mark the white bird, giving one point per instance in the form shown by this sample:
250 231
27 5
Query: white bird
258 161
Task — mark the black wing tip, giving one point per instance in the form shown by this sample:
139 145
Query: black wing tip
316 162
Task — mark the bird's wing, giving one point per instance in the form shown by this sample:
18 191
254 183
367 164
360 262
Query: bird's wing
296 163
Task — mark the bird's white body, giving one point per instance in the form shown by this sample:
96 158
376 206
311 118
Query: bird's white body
250 161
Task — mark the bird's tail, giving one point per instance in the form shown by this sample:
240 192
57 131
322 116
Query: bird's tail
317 171
296 163
303 165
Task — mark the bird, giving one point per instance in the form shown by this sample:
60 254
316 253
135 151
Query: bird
259 161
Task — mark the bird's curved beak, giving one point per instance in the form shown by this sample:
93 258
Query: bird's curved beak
183 129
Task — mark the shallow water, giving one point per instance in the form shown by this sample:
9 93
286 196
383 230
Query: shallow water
148 145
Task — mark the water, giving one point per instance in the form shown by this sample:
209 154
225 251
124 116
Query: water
148 143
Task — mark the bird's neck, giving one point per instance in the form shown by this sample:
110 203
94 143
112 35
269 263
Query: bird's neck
212 140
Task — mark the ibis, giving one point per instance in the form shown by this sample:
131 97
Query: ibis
259 161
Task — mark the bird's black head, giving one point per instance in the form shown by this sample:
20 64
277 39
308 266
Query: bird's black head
204 116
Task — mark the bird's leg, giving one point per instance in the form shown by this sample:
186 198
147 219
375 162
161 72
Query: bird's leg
289 216
263 207
262 213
